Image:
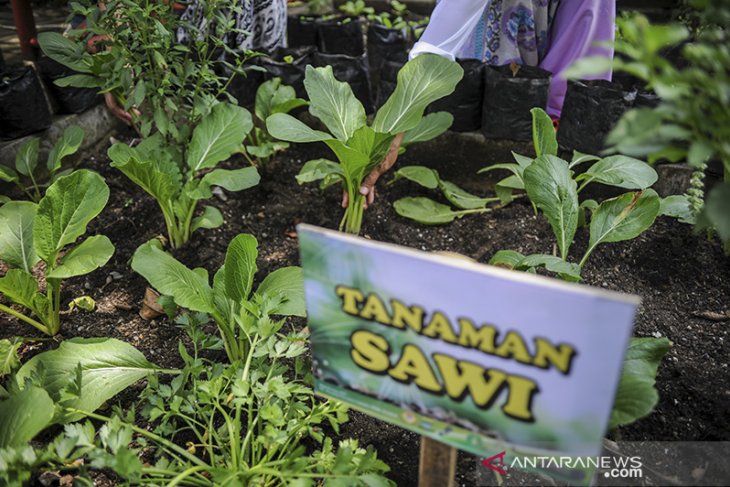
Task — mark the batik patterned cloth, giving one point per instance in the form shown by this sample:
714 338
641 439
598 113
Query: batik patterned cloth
261 23
551 34
511 31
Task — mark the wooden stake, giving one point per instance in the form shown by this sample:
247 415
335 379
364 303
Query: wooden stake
437 465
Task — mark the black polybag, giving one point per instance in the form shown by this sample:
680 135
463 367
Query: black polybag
465 103
70 99
590 111
243 86
386 45
302 31
290 71
23 106
341 36
351 70
510 92
388 81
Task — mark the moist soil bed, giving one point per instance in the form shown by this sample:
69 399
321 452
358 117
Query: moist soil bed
683 279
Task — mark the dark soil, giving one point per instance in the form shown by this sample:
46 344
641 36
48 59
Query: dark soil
678 274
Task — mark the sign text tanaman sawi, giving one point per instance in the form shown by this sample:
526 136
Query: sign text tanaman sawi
480 358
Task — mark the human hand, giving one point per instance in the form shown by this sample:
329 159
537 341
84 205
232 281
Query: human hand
367 188
116 109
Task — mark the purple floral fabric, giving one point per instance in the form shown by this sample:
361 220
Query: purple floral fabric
512 31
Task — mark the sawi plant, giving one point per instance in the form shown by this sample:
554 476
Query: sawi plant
271 97
62 386
553 187
230 301
48 232
179 179
360 147
429 212
27 175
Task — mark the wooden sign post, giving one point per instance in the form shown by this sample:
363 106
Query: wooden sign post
437 464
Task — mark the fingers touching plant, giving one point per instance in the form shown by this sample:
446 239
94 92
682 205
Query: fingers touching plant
178 181
360 147
271 97
26 163
230 300
48 232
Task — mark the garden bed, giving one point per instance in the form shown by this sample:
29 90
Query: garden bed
684 280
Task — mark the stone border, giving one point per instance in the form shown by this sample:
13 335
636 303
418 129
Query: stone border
97 123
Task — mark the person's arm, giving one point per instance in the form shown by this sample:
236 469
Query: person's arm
451 24
581 28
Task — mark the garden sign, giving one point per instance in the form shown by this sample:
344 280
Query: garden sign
477 357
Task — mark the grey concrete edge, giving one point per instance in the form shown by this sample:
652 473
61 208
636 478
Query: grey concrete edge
96 122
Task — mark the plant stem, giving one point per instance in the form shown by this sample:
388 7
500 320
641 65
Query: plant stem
54 318
159 439
352 220
187 473
28 320
585 257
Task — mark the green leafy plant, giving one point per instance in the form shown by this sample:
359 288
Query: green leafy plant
62 386
317 7
229 301
692 121
271 97
399 18
165 86
360 147
255 422
356 8
26 163
637 396
429 212
553 187
179 179
48 232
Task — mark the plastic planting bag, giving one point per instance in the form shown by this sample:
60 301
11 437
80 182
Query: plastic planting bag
287 64
386 45
510 92
70 100
388 81
23 106
341 36
351 70
243 87
465 103
301 31
591 110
